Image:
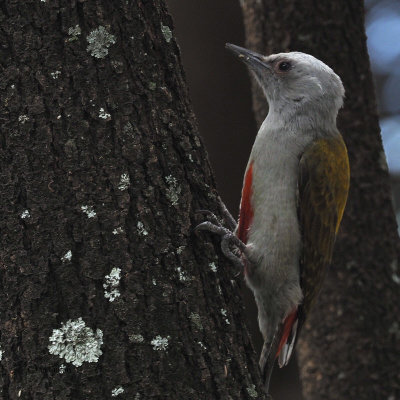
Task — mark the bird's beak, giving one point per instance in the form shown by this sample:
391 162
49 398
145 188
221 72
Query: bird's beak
250 58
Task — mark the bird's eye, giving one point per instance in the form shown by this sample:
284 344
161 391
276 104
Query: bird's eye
284 66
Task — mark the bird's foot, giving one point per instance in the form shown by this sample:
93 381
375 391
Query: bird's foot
228 240
230 221
231 245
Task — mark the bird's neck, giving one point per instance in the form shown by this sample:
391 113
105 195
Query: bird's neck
303 118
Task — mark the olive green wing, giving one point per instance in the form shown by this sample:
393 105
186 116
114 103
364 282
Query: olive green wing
323 186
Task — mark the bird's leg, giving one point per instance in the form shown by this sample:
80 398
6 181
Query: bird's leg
228 237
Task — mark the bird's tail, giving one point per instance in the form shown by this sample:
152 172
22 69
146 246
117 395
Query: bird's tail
266 364
267 359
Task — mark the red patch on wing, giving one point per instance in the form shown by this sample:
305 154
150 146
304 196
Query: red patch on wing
287 328
246 211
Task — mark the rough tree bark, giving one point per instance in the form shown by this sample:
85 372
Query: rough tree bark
101 169
350 345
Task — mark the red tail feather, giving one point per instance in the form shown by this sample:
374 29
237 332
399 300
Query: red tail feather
287 328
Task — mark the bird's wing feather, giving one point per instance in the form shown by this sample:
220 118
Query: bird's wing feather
246 210
323 185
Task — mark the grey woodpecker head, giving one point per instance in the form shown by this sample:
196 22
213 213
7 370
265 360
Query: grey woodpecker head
293 80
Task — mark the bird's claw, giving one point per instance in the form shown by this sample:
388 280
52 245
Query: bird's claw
211 216
228 238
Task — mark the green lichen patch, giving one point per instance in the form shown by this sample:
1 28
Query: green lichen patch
251 390
76 343
136 338
111 285
196 320
173 189
99 41
159 343
166 31
74 32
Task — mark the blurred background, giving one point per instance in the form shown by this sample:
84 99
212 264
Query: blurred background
382 25
219 88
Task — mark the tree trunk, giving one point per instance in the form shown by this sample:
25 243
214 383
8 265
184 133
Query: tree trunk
350 345
106 291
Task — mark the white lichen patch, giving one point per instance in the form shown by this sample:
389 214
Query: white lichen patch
99 41
212 266
117 391
25 214
1 353
76 343
117 231
74 32
103 114
251 390
154 282
111 285
166 31
55 74
173 189
61 369
23 118
89 211
67 256
180 249
124 182
182 274
136 338
202 345
160 343
223 312
141 229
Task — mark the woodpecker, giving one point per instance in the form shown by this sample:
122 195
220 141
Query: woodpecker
294 192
